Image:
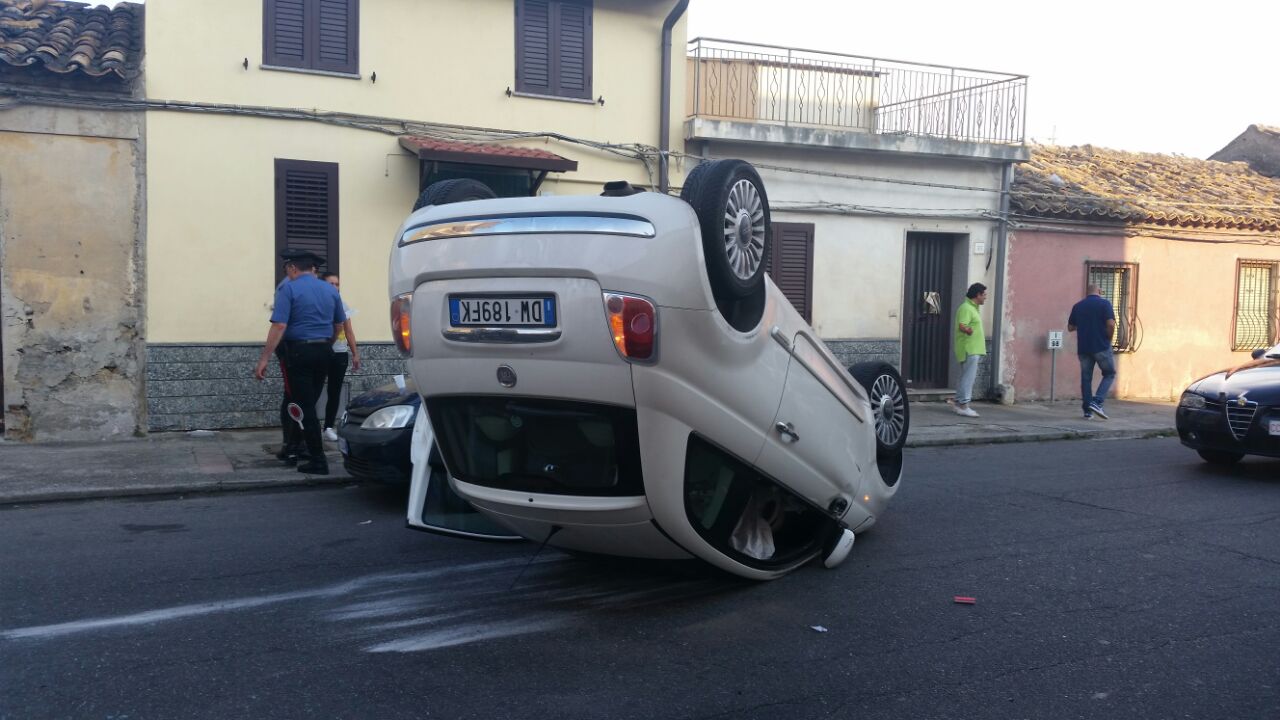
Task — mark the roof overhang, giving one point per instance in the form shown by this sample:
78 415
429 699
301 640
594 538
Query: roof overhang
490 154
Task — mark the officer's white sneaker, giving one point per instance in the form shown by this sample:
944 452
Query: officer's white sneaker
330 435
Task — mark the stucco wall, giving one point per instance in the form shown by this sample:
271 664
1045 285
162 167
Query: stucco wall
444 61
71 239
211 206
1185 304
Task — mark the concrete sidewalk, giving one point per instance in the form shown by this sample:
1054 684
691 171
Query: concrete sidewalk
204 461
937 423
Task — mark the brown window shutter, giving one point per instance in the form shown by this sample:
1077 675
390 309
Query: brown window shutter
338 31
790 264
553 47
533 46
573 50
284 34
312 34
307 210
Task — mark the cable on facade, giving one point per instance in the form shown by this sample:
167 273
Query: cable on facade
462 133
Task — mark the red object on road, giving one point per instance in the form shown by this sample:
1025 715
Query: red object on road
962 600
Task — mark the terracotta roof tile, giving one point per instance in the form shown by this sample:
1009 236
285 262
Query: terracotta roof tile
68 37
1091 183
481 148
486 153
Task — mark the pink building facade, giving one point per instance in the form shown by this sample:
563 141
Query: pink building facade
1187 250
1185 304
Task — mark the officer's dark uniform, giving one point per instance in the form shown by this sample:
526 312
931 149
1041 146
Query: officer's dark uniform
292 446
309 307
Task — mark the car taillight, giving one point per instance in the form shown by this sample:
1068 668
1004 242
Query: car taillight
633 322
400 322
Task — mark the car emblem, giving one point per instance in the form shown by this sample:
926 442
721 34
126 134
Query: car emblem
1241 402
506 376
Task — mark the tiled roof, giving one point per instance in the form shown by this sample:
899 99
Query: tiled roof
1091 183
68 37
486 154
1258 147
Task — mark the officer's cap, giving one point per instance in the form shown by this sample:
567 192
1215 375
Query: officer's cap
293 254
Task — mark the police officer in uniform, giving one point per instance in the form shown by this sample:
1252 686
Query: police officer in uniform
305 318
292 446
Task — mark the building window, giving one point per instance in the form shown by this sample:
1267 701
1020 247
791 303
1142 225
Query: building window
1119 284
1256 297
321 35
790 264
553 48
307 210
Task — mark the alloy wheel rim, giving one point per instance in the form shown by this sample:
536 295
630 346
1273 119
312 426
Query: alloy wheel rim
888 406
744 229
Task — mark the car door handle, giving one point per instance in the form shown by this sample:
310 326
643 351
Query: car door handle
787 430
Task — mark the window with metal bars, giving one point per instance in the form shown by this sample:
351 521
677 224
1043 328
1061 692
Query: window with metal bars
319 35
1256 301
1119 284
307 210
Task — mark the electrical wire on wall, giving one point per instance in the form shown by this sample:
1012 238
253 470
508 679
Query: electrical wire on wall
647 155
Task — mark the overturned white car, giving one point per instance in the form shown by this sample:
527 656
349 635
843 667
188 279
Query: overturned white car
617 375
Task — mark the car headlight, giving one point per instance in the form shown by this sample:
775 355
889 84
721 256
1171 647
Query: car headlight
1191 400
394 416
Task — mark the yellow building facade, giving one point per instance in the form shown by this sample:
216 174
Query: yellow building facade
225 110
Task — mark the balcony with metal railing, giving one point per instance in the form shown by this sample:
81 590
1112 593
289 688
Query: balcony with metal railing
747 91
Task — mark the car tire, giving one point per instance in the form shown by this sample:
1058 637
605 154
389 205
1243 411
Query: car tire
728 196
889 407
1220 457
445 192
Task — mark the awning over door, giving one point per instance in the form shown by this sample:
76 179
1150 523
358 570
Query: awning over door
491 154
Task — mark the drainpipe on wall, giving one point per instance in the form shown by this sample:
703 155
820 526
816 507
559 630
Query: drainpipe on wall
664 123
997 332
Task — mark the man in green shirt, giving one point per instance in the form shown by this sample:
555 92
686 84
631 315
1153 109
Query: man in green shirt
970 344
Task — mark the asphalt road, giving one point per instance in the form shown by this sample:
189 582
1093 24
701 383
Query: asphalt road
1119 579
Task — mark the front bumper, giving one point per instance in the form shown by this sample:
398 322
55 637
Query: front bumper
381 455
1209 429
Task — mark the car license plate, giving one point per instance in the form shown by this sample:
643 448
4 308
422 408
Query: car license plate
1273 427
343 447
528 311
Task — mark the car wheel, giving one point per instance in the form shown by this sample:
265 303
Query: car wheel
889 407
733 215
1220 457
452 191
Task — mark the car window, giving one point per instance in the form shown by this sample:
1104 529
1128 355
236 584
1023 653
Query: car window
744 514
538 445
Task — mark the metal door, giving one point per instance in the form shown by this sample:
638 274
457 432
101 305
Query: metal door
926 310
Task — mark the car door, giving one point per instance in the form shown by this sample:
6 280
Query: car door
433 505
820 439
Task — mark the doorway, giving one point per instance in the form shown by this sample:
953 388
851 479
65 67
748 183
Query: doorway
927 307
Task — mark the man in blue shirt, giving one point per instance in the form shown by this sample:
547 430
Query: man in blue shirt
305 318
1093 320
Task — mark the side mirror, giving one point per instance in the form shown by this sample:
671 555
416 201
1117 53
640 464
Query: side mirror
1258 353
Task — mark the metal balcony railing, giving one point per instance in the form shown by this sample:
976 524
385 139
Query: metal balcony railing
747 82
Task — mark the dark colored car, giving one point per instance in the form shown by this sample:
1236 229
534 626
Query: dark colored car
1234 413
376 431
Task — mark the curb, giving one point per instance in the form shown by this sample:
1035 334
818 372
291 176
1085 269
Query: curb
202 487
316 481
1043 436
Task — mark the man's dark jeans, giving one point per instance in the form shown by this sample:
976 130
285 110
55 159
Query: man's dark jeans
308 363
1104 361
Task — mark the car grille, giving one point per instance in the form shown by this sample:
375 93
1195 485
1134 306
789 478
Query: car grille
1241 418
372 469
